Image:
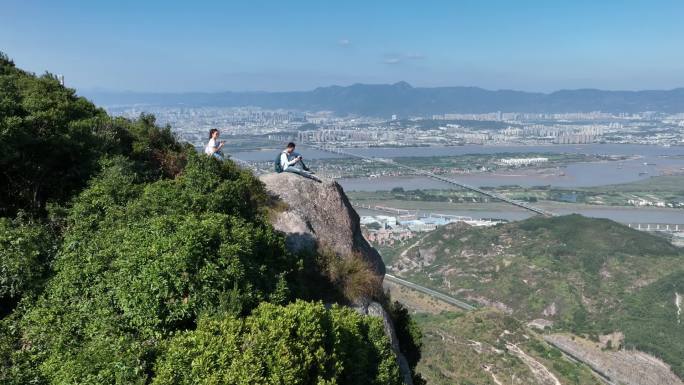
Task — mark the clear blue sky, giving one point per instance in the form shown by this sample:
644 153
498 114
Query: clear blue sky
293 45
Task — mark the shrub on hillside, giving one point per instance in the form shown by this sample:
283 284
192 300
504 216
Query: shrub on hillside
302 343
16 366
26 249
123 238
653 322
408 332
352 275
142 260
51 141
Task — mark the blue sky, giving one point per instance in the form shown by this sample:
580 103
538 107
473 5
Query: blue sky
298 45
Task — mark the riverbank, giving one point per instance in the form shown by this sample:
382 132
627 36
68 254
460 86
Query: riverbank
504 211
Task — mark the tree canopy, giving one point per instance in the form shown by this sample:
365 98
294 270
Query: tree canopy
302 343
51 140
128 258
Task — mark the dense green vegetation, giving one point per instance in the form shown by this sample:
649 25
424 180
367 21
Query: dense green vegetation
127 258
51 141
26 248
410 335
651 323
589 276
302 343
140 260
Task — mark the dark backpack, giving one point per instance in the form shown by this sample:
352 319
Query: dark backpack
278 168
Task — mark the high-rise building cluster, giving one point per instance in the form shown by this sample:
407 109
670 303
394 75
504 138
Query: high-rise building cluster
325 127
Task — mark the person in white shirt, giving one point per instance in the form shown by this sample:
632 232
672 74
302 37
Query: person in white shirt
291 161
213 147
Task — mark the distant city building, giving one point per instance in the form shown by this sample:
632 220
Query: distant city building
523 161
191 124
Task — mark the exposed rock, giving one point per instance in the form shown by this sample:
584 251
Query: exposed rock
541 373
374 309
319 216
612 340
540 324
486 302
629 367
550 310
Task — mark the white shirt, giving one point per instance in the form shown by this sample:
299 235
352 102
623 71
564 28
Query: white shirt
284 162
210 149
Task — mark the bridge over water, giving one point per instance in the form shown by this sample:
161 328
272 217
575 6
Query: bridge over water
667 227
416 171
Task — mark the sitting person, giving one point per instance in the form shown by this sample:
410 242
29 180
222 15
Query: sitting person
291 161
214 147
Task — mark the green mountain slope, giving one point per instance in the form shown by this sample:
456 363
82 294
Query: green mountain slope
588 276
128 258
653 321
489 347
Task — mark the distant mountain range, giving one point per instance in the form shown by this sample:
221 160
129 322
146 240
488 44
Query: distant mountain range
404 100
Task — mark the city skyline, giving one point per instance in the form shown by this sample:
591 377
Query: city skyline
272 46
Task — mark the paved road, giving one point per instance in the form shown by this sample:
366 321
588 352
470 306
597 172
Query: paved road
436 294
465 306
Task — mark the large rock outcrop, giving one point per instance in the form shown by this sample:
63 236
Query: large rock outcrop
318 216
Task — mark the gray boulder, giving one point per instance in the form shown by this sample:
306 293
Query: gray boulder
318 216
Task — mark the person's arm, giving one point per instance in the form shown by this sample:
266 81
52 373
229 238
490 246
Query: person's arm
293 161
297 158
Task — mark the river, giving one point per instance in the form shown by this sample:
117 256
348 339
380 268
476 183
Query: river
652 161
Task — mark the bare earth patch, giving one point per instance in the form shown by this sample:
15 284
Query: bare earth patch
627 367
417 301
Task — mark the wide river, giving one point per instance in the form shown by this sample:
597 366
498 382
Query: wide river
652 161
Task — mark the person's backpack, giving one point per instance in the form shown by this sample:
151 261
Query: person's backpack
278 168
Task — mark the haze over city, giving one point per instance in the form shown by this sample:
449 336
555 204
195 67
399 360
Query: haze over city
353 193
177 46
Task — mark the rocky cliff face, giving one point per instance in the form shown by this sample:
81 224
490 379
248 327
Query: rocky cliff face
319 216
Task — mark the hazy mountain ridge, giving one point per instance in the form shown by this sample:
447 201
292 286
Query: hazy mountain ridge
405 100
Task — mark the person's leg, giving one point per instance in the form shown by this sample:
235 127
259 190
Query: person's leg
300 164
299 171
295 170
304 167
218 156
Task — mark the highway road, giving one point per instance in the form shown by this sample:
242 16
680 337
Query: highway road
433 293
